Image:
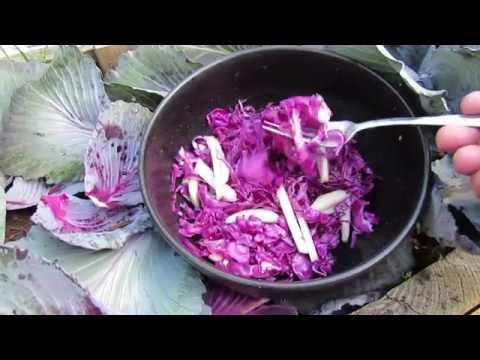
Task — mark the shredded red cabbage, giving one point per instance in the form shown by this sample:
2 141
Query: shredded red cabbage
209 191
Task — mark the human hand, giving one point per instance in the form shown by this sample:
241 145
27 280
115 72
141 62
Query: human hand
464 142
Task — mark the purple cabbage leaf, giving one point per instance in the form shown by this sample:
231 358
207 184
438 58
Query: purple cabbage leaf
144 277
79 222
25 193
113 155
50 120
31 285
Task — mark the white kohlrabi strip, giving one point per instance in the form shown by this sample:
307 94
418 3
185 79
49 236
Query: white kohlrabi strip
291 220
297 130
227 193
329 200
323 169
193 192
204 171
266 216
224 192
329 211
324 114
221 170
307 237
345 229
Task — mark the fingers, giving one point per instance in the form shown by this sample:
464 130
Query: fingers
470 104
467 159
464 142
450 138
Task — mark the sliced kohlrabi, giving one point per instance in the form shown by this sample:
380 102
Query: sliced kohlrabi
113 156
31 285
329 200
50 121
307 237
346 220
206 174
193 192
227 193
221 171
25 193
145 277
265 215
291 220
80 223
323 169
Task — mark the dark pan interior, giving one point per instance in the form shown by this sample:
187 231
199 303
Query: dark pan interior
397 154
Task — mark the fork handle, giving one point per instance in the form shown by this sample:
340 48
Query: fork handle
460 120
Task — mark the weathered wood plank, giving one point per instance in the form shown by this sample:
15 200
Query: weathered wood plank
476 312
107 57
450 286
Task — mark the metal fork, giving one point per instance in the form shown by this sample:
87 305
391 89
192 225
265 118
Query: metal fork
350 129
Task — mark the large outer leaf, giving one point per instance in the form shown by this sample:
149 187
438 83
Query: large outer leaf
456 190
205 54
152 68
159 68
455 69
451 189
224 301
49 122
126 93
411 55
378 57
113 155
369 55
439 222
25 193
143 277
13 75
80 223
32 286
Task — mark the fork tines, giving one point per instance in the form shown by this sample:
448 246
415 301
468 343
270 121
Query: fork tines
275 129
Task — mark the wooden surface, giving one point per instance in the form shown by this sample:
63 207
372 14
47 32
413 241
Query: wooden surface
450 286
107 57
476 312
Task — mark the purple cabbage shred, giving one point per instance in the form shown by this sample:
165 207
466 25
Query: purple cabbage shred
259 162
